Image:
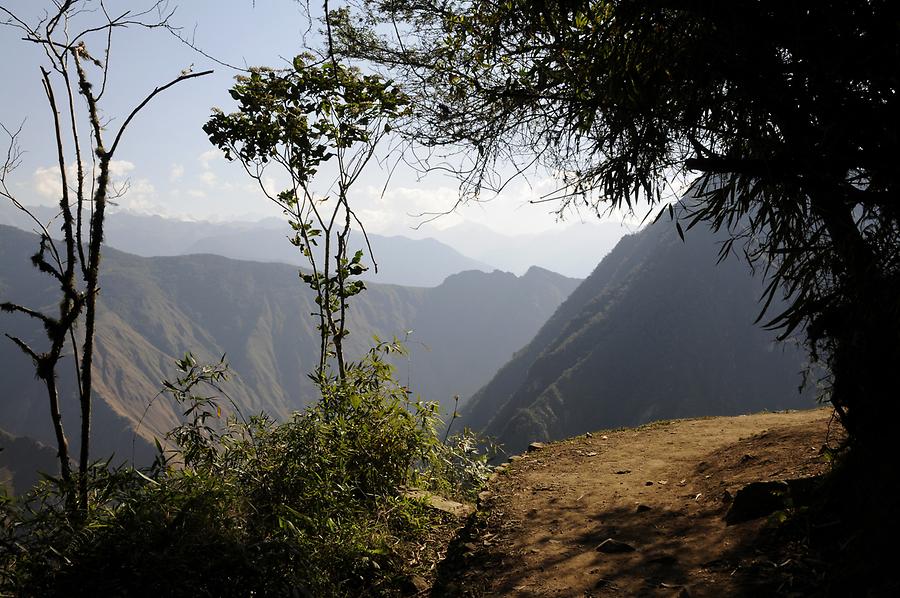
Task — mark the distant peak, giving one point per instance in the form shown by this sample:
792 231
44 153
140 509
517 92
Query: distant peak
539 272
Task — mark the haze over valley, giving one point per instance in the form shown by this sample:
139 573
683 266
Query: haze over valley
365 299
629 344
156 309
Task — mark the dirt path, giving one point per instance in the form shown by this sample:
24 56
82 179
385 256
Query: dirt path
661 490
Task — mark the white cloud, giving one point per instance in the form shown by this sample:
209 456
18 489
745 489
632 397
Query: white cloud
46 183
209 156
118 168
140 196
209 178
197 193
399 209
270 184
176 173
519 209
213 181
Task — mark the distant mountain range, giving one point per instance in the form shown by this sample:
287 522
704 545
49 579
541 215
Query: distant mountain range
574 250
658 331
400 260
424 260
258 314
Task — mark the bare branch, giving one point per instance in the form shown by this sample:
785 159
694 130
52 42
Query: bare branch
152 94
15 308
24 347
13 153
69 269
190 43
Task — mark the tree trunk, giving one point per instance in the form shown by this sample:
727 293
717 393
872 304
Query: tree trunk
862 332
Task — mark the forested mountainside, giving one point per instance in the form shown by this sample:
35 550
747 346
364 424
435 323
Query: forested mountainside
258 315
658 331
400 259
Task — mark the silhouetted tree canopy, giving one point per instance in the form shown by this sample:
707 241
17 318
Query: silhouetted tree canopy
783 114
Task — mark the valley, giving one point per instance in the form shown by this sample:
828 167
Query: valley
449 299
153 310
659 330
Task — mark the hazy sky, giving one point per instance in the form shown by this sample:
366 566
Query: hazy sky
172 168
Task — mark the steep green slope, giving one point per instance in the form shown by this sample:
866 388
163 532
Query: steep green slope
658 331
155 309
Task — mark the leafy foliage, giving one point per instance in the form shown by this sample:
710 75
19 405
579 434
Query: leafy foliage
779 115
300 119
313 506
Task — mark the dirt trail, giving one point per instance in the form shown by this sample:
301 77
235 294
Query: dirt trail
661 489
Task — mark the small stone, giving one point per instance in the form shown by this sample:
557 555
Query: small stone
536 446
648 483
515 458
451 507
611 546
589 435
414 585
623 471
642 508
484 496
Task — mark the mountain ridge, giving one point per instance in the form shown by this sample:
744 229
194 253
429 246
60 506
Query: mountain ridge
400 258
657 331
155 309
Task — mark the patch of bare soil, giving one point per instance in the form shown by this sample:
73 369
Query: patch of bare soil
636 512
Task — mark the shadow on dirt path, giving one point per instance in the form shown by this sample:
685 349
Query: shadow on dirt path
637 512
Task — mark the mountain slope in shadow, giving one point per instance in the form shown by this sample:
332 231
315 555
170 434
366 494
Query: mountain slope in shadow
658 331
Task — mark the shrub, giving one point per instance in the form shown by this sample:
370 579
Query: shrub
314 506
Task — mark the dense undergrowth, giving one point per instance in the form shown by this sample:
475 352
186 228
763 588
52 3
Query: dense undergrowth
314 506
